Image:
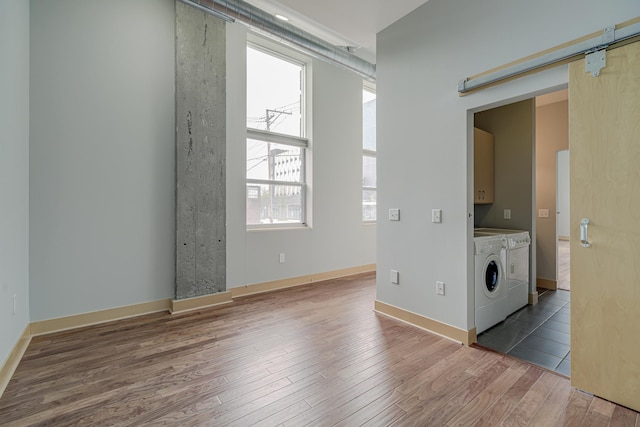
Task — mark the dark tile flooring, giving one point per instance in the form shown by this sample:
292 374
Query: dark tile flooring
539 333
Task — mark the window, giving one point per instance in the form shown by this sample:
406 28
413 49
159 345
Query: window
369 181
276 143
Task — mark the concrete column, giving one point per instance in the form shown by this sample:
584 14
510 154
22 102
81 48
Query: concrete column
200 153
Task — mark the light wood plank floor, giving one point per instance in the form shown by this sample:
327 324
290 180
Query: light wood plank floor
314 355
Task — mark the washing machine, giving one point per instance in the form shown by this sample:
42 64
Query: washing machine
515 256
490 288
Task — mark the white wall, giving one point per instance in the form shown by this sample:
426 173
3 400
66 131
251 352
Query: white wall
102 154
562 194
14 172
424 129
552 135
337 238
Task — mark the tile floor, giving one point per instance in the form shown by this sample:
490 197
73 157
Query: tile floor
538 334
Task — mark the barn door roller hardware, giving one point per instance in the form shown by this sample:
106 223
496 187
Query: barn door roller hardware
593 47
596 59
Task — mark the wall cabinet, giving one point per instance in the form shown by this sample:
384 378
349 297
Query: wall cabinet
482 167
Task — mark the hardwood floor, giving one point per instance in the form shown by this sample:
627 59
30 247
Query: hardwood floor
313 355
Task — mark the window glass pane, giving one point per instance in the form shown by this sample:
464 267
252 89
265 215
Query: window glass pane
275 162
369 171
274 95
369 205
274 204
368 120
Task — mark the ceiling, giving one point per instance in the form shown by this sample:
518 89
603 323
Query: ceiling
340 22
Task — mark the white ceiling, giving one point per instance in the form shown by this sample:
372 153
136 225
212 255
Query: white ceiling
342 22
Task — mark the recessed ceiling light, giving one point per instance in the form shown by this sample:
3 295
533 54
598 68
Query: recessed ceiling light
282 18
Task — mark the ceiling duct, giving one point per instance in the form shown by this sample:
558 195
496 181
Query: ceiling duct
268 25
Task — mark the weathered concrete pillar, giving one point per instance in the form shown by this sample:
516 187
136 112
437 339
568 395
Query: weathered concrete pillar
200 153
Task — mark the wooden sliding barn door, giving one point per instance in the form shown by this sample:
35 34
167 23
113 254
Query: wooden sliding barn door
604 138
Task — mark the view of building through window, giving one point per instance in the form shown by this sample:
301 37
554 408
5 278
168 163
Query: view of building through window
369 182
275 144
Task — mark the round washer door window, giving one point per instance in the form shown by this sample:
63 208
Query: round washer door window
492 276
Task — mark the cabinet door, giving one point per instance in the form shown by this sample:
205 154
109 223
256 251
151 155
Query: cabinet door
482 166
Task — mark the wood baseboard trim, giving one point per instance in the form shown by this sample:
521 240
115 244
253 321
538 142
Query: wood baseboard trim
547 284
345 272
196 303
276 285
11 364
96 317
441 329
176 306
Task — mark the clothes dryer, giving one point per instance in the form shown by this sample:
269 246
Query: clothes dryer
490 292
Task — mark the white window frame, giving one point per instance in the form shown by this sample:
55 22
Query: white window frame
301 142
370 87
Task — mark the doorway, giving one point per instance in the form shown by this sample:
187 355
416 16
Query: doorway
540 333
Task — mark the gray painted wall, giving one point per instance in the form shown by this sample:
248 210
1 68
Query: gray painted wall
200 153
513 129
14 172
103 162
425 130
102 173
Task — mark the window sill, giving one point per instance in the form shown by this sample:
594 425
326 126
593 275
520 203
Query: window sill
277 228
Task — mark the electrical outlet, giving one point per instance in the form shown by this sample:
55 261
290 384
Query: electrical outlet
281 258
436 216
507 214
395 277
543 213
394 214
439 288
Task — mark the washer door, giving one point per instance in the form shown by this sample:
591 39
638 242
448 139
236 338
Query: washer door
493 275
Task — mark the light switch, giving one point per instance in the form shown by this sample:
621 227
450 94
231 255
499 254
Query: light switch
394 214
507 214
436 215
395 277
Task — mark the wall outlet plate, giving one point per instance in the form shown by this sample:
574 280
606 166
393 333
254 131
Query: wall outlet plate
507 214
395 277
436 216
439 288
394 214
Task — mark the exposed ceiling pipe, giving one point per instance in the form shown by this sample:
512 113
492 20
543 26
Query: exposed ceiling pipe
268 25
